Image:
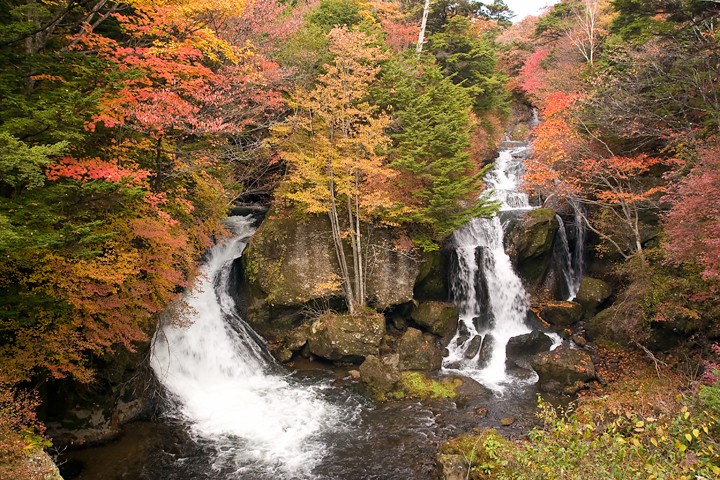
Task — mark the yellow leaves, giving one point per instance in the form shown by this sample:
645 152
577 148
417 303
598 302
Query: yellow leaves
334 142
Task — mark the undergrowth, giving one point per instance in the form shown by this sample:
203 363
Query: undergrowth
642 426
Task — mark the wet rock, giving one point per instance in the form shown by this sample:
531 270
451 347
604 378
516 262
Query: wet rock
469 390
354 374
452 467
520 372
520 348
592 294
561 368
484 322
486 351
463 334
530 243
379 375
507 421
579 340
81 414
481 412
561 314
440 318
473 347
418 351
344 337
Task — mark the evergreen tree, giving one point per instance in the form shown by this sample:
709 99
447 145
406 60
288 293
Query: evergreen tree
431 133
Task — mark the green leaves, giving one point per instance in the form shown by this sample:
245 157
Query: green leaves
21 166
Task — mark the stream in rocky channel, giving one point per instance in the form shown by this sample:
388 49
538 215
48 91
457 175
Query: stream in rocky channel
230 411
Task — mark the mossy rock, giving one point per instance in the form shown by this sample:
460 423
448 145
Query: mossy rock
561 314
481 452
419 385
381 376
608 327
562 368
292 260
431 282
592 294
440 318
419 351
530 243
345 337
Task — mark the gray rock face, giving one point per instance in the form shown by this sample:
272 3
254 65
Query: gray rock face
292 261
562 369
592 294
440 318
380 375
530 243
562 314
419 351
346 337
287 259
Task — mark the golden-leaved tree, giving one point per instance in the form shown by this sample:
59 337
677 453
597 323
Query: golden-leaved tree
334 146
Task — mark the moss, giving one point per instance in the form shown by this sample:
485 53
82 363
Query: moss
418 385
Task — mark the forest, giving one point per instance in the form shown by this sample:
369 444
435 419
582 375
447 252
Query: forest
129 130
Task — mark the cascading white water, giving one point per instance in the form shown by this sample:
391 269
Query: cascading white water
226 387
489 279
578 257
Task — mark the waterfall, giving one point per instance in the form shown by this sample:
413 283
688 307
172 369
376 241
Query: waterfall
578 254
226 387
564 260
570 261
491 298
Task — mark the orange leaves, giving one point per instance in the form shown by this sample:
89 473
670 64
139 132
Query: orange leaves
94 169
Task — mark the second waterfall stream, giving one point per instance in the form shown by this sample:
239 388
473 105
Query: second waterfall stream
492 300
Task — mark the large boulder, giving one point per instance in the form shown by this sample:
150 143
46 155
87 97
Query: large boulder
419 351
288 259
530 243
381 375
440 318
561 314
563 370
609 327
521 347
592 294
291 261
344 337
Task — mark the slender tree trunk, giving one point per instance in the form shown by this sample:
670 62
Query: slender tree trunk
421 36
337 240
361 257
